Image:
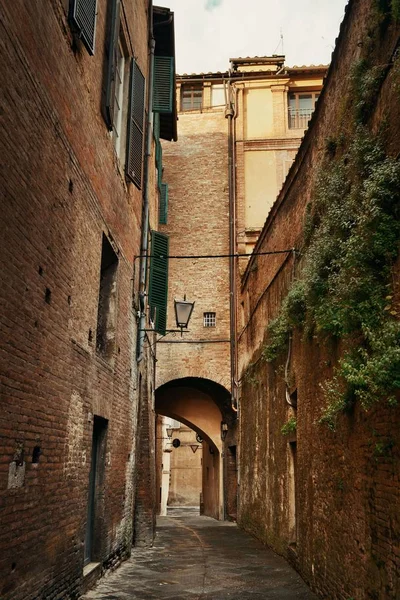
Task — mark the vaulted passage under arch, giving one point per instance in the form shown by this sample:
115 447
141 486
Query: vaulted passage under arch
203 405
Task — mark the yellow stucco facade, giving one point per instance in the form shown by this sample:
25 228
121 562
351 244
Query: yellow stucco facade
272 106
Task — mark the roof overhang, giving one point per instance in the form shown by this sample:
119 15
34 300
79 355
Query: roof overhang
164 35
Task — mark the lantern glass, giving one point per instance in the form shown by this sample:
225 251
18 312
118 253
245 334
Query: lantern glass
183 312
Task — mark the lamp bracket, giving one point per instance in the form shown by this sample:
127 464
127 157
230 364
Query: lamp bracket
167 330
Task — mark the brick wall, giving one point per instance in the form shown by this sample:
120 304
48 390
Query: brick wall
323 499
62 188
196 169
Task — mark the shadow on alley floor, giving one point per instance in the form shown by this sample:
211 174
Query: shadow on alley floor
198 558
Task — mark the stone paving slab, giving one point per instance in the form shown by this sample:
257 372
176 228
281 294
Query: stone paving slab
198 558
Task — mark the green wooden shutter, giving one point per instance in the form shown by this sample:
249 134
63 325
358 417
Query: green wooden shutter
163 82
134 153
161 320
83 17
159 164
163 207
159 155
112 53
158 287
156 127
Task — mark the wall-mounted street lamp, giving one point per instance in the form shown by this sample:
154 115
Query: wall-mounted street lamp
183 312
170 431
224 430
194 447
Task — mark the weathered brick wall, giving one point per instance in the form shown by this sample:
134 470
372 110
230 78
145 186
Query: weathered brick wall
196 169
329 501
62 187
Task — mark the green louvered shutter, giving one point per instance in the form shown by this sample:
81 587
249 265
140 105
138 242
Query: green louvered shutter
159 164
156 127
158 287
163 208
112 53
83 17
163 84
134 153
159 155
161 320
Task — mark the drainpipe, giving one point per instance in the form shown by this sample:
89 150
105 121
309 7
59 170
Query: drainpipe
230 115
144 245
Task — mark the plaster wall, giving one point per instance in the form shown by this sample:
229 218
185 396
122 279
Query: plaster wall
259 114
193 407
186 470
212 482
265 146
260 186
199 412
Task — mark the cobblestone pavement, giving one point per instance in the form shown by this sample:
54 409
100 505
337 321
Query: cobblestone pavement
198 558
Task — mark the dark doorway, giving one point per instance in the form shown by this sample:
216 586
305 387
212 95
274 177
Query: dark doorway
96 477
231 483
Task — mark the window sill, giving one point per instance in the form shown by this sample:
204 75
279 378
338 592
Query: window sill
108 363
89 568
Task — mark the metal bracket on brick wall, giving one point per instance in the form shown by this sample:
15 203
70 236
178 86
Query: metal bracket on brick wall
166 331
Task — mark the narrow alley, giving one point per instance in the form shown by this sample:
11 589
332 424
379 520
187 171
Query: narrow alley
200 300
196 557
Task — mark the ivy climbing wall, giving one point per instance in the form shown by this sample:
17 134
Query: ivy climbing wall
320 339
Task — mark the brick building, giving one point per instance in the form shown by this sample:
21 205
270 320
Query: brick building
319 458
81 189
238 134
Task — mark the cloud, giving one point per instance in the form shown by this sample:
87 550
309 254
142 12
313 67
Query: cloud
211 4
206 39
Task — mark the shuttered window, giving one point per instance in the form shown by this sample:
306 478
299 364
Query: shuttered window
159 155
112 67
156 131
158 287
159 164
156 127
134 151
163 82
83 17
163 207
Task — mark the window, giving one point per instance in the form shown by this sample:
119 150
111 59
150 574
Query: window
134 149
117 85
301 106
163 82
107 307
163 206
191 96
158 286
83 21
209 319
156 132
120 100
217 95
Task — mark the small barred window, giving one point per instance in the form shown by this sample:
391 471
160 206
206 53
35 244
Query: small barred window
209 319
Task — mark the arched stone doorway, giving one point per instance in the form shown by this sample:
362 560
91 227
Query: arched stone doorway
203 405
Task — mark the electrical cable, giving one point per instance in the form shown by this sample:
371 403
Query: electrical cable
200 256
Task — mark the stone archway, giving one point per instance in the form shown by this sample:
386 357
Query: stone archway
202 404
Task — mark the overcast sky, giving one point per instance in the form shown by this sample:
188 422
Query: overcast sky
209 32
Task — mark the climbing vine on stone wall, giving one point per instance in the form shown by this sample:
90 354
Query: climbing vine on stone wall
344 287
